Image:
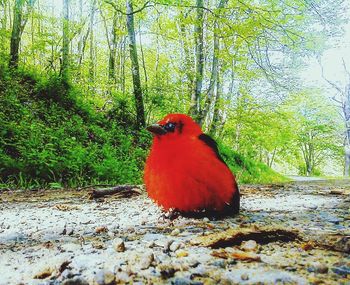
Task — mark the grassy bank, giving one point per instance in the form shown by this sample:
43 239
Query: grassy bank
51 137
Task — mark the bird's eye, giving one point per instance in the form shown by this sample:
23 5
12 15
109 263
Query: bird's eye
170 127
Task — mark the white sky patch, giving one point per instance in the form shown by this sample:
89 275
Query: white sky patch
332 62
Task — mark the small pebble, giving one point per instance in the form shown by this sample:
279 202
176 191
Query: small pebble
165 243
104 277
98 244
181 253
317 267
119 245
167 272
205 220
200 271
245 276
249 245
122 277
219 263
44 273
101 229
146 261
174 246
313 207
175 232
75 281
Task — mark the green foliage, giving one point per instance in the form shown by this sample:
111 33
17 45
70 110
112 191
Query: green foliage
247 170
51 137
316 129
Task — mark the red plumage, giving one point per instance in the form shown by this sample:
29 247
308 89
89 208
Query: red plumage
184 170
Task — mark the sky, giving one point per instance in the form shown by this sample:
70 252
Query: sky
332 63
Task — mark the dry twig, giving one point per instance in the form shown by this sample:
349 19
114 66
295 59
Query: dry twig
121 191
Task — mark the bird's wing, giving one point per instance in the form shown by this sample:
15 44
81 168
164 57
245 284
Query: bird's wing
234 205
209 141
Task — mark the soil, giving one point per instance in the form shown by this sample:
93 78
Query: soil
292 233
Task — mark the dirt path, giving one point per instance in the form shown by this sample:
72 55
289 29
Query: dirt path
297 233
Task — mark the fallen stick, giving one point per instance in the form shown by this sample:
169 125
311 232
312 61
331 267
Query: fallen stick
93 186
124 191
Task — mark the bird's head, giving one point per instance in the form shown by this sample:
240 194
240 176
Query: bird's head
175 125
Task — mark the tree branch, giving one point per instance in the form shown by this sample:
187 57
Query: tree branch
345 68
329 82
187 6
114 5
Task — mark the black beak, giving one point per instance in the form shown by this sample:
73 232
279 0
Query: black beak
156 129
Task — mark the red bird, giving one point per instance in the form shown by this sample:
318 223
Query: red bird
185 172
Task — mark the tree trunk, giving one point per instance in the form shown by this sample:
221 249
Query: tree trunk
140 112
81 35
272 159
344 104
123 60
214 69
156 66
216 115
346 111
187 67
3 26
195 107
81 54
347 161
112 51
9 14
92 46
144 63
65 44
121 65
16 33
33 39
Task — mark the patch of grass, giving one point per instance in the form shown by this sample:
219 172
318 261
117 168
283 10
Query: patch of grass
249 171
50 137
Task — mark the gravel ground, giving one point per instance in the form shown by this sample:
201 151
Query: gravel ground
61 237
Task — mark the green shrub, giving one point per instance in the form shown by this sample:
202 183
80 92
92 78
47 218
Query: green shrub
247 170
50 137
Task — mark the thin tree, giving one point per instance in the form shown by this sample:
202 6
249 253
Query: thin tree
112 50
135 69
92 45
343 102
214 81
187 66
112 46
20 18
140 112
195 107
65 43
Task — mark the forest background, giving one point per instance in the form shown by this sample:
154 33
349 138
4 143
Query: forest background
80 80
